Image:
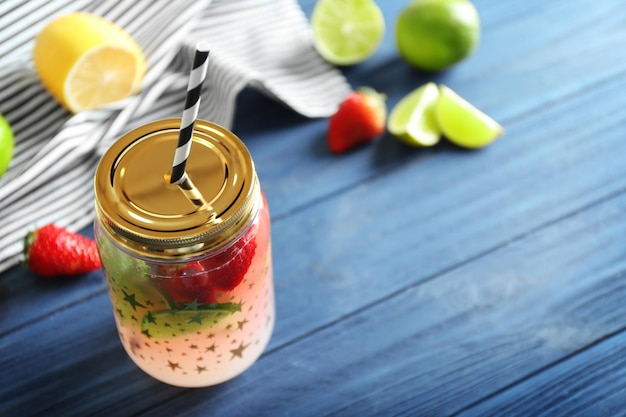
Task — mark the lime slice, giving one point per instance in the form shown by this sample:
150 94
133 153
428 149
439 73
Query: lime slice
463 123
132 299
413 120
347 32
6 145
172 323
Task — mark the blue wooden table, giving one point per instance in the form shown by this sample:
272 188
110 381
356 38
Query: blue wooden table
414 282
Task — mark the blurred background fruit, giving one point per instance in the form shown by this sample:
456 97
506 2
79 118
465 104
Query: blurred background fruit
347 32
6 145
412 119
85 61
464 124
433 35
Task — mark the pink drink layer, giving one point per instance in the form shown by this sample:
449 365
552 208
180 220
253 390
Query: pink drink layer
199 323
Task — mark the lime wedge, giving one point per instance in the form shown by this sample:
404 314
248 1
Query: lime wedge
173 323
413 120
463 123
347 32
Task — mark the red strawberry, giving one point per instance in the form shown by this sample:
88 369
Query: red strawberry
203 279
360 118
186 283
228 267
55 251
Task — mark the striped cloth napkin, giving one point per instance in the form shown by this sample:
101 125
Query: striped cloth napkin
262 44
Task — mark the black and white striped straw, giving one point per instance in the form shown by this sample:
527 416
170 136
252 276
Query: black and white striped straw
190 114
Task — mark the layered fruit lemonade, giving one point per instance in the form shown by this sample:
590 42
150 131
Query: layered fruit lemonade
190 282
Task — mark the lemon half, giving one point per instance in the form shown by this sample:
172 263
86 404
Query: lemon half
86 61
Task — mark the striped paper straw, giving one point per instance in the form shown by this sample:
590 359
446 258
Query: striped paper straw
190 114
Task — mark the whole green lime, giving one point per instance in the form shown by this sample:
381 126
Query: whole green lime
6 145
433 35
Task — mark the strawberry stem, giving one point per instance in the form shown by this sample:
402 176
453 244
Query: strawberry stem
29 239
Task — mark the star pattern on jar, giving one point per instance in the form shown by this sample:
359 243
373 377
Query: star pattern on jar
131 299
192 325
195 319
192 305
173 365
238 352
149 318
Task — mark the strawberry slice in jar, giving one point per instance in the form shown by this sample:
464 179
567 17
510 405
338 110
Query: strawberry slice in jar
202 280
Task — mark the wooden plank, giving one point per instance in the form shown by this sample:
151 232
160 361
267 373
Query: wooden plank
71 364
590 383
437 213
435 348
446 192
19 288
342 260
431 349
291 155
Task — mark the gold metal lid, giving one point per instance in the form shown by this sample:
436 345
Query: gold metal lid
146 214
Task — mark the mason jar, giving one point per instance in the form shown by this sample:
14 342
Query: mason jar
188 268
